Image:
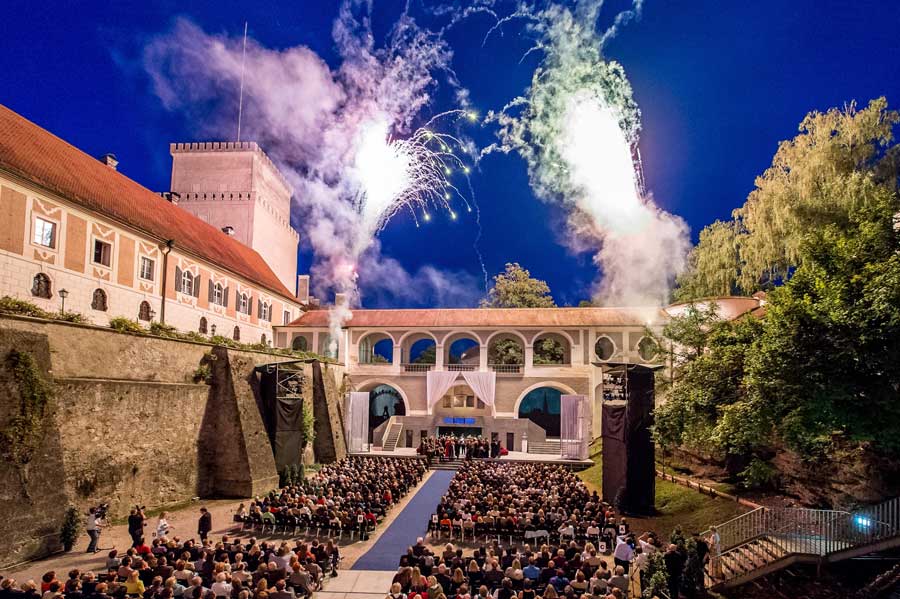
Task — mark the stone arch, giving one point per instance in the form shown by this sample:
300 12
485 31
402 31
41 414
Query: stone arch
300 343
458 335
560 337
42 286
369 384
510 357
405 345
558 386
366 345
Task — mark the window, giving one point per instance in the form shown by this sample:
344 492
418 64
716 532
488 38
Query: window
218 295
286 317
604 348
237 333
265 311
144 311
44 233
40 286
148 268
299 344
102 253
202 328
647 349
187 283
243 305
262 339
98 302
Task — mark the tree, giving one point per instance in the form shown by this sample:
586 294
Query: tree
515 288
506 351
427 356
835 166
549 351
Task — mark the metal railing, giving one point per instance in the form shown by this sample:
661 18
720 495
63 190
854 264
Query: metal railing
808 531
506 368
462 367
417 367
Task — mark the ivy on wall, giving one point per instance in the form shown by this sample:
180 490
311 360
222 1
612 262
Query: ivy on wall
22 434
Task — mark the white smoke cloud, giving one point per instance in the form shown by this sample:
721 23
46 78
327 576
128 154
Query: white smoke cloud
311 119
577 127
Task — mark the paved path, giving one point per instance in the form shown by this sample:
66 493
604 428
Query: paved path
409 524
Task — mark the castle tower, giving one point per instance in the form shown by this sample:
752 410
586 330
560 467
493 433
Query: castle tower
234 184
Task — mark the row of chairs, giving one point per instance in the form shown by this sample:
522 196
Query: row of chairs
487 532
280 524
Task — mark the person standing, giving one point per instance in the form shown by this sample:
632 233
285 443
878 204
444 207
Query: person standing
204 526
162 526
92 526
136 525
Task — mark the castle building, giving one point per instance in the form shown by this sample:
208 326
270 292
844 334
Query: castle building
74 230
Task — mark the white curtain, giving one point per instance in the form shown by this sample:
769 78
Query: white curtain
437 384
574 423
359 421
484 384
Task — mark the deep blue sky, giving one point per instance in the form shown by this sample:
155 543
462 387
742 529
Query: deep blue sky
719 84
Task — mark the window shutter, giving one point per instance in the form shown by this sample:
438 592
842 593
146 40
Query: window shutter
177 279
211 291
237 300
197 286
225 297
259 308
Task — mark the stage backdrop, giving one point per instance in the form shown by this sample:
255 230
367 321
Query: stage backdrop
574 422
358 409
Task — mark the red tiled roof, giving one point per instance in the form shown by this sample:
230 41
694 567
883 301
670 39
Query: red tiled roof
37 155
491 317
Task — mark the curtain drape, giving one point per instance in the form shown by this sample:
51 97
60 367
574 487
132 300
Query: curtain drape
484 384
359 421
574 422
437 384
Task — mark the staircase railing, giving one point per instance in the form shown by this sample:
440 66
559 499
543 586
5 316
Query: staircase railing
810 531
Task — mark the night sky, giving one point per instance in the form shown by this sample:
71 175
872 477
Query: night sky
719 85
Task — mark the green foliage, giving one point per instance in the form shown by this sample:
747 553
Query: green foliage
549 351
308 425
22 434
839 163
163 330
291 474
821 227
515 288
378 359
126 325
506 351
657 576
71 528
202 374
12 305
428 356
760 475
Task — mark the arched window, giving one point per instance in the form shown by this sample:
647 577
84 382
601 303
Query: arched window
299 344
203 325
237 333
262 339
187 283
604 348
265 311
98 302
40 286
243 304
144 311
218 297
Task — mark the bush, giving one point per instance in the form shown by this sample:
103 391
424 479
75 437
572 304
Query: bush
163 330
126 325
71 528
760 475
12 305
203 374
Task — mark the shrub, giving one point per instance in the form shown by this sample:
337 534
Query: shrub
71 528
760 474
203 374
76 317
126 325
163 330
12 305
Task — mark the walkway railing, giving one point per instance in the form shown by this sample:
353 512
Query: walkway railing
462 367
507 368
769 534
417 367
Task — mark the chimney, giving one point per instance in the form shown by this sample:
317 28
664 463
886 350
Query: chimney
110 161
228 230
340 300
314 302
303 288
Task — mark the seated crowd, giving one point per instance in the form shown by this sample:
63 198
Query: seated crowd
338 497
449 447
172 569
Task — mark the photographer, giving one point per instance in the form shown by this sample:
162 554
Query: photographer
92 525
136 524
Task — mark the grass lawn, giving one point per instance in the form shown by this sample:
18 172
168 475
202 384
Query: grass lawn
675 504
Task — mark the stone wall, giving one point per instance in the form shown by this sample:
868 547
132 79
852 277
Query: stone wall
128 424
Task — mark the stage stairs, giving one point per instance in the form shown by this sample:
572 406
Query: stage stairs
453 464
766 540
550 446
392 436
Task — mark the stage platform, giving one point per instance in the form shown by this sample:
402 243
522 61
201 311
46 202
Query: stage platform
512 456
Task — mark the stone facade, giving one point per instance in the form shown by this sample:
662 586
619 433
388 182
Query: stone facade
234 184
118 399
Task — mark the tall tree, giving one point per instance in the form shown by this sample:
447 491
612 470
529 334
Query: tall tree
834 167
516 288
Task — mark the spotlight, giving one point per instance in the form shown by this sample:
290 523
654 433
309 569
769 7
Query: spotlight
862 521
426 217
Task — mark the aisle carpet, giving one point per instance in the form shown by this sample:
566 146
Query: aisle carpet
409 524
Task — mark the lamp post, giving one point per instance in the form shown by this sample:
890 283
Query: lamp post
63 294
